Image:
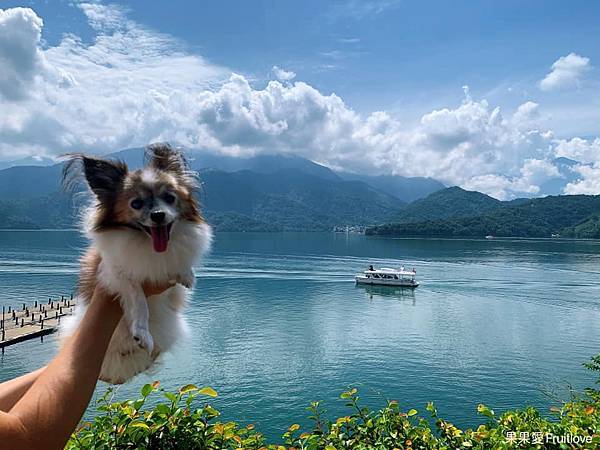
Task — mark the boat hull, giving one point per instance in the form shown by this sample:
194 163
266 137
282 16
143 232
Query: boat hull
360 279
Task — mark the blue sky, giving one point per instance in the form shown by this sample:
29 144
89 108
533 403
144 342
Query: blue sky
398 67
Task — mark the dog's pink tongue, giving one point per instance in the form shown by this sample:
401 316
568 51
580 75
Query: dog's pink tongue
160 238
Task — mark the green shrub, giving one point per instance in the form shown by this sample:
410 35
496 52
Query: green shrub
180 423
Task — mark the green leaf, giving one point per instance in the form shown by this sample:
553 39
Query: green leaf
138 424
412 412
208 391
188 388
171 397
146 389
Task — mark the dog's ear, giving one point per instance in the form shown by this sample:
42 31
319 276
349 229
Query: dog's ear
104 177
164 157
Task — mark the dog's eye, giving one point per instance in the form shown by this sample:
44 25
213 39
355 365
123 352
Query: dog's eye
169 198
137 203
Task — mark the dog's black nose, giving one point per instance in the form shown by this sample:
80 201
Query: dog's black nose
157 217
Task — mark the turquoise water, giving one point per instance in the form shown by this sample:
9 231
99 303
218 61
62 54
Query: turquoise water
277 321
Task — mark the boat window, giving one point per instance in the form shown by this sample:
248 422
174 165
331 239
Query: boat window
395 277
375 276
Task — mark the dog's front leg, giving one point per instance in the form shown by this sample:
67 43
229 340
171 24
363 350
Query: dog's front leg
136 314
187 278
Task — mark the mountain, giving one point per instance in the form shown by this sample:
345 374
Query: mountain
27 182
566 175
28 161
407 189
565 215
290 199
22 180
48 211
449 202
587 229
134 157
273 193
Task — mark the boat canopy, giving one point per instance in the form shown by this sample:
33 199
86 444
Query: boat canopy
388 271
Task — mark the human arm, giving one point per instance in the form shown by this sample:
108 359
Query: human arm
41 409
48 412
11 391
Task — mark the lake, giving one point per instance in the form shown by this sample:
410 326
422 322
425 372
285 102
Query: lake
277 321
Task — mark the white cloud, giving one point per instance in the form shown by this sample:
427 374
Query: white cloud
527 114
20 57
283 75
105 18
361 9
587 152
582 150
132 86
566 72
589 182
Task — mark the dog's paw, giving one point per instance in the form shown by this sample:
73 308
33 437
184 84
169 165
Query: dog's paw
142 337
187 279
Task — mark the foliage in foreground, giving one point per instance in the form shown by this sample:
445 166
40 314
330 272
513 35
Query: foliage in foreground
180 423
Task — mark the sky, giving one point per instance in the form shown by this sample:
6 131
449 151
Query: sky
484 95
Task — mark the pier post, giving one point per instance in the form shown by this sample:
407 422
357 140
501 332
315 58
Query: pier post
71 296
9 309
42 324
3 334
3 313
23 306
22 322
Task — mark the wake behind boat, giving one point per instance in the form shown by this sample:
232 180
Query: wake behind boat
388 277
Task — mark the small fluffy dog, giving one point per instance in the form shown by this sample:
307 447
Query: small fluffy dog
144 226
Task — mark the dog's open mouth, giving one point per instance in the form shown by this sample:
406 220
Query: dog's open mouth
160 236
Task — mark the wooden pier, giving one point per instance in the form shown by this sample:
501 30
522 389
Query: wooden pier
34 320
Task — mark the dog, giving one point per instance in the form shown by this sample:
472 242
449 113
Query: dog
145 226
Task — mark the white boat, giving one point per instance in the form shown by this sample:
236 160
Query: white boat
388 277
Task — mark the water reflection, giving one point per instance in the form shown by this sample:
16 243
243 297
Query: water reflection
400 292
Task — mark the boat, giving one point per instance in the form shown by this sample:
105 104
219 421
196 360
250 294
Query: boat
388 277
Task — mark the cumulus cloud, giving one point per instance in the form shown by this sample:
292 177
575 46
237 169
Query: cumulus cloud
582 150
283 75
587 153
133 85
589 182
566 72
20 57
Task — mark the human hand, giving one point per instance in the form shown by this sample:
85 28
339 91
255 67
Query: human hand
151 289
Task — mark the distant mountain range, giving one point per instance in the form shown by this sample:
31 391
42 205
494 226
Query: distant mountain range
454 212
263 193
280 193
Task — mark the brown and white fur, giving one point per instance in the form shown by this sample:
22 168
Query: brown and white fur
144 226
